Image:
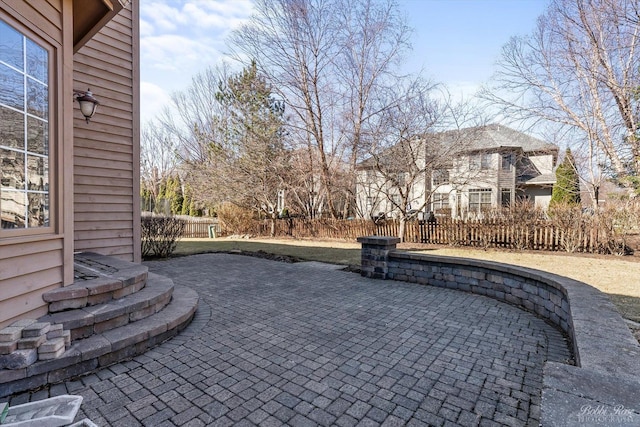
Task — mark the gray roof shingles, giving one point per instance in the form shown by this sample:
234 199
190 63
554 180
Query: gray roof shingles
489 137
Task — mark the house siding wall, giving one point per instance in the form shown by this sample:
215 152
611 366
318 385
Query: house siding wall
506 179
544 163
33 263
106 151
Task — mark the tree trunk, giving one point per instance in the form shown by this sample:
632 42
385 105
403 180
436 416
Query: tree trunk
401 228
273 224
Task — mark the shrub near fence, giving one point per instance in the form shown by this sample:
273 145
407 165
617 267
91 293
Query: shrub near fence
160 234
488 233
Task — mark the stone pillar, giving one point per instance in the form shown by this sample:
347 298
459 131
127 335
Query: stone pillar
375 251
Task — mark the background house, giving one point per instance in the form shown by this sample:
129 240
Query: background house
67 185
458 173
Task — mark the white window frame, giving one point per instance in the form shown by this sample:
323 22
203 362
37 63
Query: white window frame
439 201
440 177
45 188
484 199
504 191
485 161
507 160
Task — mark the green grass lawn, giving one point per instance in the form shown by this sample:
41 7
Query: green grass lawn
332 255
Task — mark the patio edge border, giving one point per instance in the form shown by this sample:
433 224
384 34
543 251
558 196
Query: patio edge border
605 351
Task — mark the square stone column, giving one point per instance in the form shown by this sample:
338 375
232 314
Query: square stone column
375 251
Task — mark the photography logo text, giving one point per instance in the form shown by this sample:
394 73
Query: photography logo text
603 414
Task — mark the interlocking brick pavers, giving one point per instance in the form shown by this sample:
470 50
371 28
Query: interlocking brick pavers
307 344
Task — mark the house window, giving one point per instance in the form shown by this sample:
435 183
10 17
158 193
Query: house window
505 197
507 161
24 131
396 200
401 178
439 201
479 199
480 161
440 177
370 176
474 162
485 161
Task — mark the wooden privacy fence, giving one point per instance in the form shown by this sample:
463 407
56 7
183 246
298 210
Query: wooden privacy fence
199 228
488 233
541 235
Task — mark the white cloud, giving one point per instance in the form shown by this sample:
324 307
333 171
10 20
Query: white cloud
152 100
146 29
220 15
161 16
176 52
180 38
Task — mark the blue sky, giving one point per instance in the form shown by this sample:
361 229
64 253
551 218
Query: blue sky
455 42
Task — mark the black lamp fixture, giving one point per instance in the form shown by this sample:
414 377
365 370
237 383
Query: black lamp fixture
88 104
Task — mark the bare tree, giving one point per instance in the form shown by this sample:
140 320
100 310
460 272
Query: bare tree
196 120
229 139
158 160
375 39
327 59
294 43
412 147
579 70
305 194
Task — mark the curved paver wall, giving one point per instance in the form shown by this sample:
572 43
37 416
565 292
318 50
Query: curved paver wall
598 389
533 292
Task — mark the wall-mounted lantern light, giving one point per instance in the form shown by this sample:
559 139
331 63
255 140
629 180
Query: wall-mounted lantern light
88 104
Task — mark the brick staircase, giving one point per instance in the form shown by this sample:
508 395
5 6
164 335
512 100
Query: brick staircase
114 310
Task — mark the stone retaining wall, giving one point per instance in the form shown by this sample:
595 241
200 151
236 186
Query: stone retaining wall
607 355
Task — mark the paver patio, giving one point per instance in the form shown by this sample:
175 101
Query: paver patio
308 344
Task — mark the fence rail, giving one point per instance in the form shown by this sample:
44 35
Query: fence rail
197 228
541 235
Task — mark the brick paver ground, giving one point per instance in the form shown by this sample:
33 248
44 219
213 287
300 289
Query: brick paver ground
305 344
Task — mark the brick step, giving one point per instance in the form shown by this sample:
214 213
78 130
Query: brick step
98 279
96 319
106 348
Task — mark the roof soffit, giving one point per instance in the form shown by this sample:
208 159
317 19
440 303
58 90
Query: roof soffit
89 16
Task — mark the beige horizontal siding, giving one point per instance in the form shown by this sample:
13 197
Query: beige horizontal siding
102 173
55 4
107 216
33 264
102 164
39 14
97 213
112 77
27 270
121 156
121 68
105 153
108 246
96 180
106 138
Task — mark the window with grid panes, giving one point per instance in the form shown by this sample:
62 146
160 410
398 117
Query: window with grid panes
479 199
439 201
24 131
